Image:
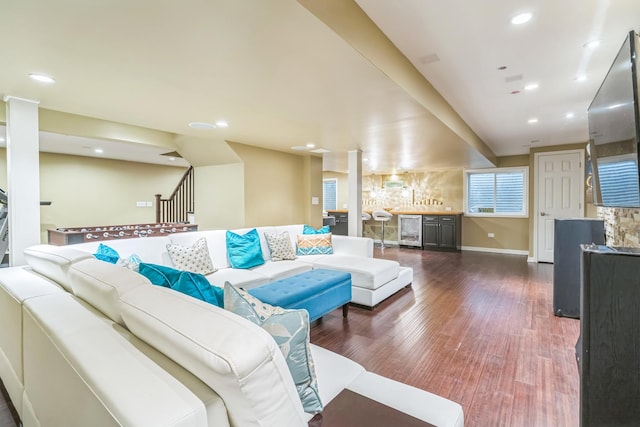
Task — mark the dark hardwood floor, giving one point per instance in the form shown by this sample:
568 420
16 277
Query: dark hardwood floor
476 328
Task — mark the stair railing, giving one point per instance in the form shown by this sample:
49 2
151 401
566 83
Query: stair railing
178 206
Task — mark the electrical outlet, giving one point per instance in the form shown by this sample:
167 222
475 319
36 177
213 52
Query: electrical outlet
141 204
491 235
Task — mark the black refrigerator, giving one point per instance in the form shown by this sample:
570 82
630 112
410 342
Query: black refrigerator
569 234
608 350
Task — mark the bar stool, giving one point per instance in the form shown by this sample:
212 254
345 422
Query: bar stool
382 216
365 217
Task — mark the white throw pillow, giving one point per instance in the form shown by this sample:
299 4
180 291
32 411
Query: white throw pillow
195 259
280 246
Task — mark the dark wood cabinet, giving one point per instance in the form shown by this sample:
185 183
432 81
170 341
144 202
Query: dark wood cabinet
341 223
608 352
441 231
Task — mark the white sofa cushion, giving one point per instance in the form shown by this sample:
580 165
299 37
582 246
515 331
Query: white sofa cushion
54 261
101 284
234 357
418 403
17 284
281 269
76 363
334 372
246 279
369 273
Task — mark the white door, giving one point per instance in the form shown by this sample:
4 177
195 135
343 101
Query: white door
560 194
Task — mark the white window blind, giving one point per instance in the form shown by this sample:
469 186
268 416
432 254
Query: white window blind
329 194
499 192
618 182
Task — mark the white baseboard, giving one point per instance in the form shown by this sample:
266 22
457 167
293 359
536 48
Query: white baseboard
496 250
532 259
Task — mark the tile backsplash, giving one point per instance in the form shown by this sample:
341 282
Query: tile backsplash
621 225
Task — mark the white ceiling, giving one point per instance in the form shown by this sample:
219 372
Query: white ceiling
474 38
281 78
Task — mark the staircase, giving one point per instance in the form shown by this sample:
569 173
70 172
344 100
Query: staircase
176 208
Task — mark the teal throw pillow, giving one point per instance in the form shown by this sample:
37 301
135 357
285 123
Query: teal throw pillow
106 253
244 250
192 284
197 286
310 230
159 274
290 330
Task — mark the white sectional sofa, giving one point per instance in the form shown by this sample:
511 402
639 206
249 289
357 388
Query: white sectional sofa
84 342
373 279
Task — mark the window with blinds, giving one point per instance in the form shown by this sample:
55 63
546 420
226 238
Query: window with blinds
329 194
618 180
496 192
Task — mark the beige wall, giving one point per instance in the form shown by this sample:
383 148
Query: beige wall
312 179
219 196
274 187
90 191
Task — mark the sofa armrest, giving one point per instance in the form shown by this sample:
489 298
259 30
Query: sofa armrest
351 245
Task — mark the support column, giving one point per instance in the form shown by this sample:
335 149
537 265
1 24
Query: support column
354 200
23 177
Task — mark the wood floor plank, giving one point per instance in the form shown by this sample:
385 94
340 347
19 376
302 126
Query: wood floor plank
476 328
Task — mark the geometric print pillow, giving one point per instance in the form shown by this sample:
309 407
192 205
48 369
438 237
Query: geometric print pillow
195 259
290 330
280 246
314 244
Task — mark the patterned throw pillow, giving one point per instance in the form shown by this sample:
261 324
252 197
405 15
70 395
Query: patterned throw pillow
195 259
314 244
290 330
280 246
310 230
132 262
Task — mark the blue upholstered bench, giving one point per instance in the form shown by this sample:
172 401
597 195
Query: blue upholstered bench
318 291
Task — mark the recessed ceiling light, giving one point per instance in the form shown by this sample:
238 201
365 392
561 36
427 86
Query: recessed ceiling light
364 159
591 44
581 78
532 120
320 151
222 124
172 158
1 139
570 115
201 125
521 18
311 145
98 150
42 78
299 148
531 86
